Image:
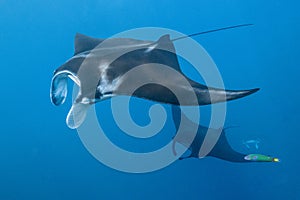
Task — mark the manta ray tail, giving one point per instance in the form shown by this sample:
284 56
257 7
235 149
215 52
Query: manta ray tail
210 31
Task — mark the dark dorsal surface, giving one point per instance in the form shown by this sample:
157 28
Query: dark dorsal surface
159 52
83 43
99 67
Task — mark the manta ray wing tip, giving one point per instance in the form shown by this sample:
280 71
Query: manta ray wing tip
231 95
254 90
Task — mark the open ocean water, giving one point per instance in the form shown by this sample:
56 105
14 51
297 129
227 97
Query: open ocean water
41 158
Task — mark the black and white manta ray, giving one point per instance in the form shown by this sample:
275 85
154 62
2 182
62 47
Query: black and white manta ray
103 65
221 149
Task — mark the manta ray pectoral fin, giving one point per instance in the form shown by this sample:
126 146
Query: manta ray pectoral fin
213 95
236 94
76 115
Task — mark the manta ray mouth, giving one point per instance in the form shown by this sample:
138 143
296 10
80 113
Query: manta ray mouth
58 94
59 86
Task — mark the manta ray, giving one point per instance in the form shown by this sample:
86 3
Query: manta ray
99 67
221 150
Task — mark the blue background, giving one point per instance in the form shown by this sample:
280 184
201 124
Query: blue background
41 158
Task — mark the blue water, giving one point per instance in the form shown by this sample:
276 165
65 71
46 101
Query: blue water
41 158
